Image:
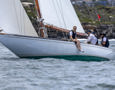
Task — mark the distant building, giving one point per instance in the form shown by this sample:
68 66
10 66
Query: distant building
80 2
111 2
97 2
102 2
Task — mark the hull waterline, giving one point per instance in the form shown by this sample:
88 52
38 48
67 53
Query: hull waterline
32 47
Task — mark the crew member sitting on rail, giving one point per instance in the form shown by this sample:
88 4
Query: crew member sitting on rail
73 37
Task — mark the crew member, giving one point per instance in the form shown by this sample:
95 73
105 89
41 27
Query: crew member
91 38
73 37
104 40
42 29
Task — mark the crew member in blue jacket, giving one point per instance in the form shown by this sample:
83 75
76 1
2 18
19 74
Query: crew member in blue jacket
104 40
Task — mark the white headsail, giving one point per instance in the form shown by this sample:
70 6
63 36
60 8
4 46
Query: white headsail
60 13
14 20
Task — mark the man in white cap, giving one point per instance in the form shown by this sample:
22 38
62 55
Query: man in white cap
91 38
42 29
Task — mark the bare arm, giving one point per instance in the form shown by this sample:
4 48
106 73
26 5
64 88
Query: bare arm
71 38
103 43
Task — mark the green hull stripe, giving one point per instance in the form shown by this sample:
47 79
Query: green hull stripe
72 57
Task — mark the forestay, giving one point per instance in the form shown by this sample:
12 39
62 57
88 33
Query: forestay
14 20
60 13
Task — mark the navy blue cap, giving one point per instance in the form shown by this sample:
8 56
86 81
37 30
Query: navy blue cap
89 31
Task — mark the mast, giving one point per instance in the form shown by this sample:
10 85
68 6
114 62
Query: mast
38 8
41 30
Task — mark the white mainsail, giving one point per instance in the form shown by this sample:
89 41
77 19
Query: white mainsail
14 20
60 13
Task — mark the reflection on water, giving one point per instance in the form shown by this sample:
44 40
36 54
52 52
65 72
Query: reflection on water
54 74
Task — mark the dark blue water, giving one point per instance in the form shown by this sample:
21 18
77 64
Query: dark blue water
54 74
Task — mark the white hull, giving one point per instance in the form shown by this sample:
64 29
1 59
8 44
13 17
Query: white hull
35 47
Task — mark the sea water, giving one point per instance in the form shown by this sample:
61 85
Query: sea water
54 74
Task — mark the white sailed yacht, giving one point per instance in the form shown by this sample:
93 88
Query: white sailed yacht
19 35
